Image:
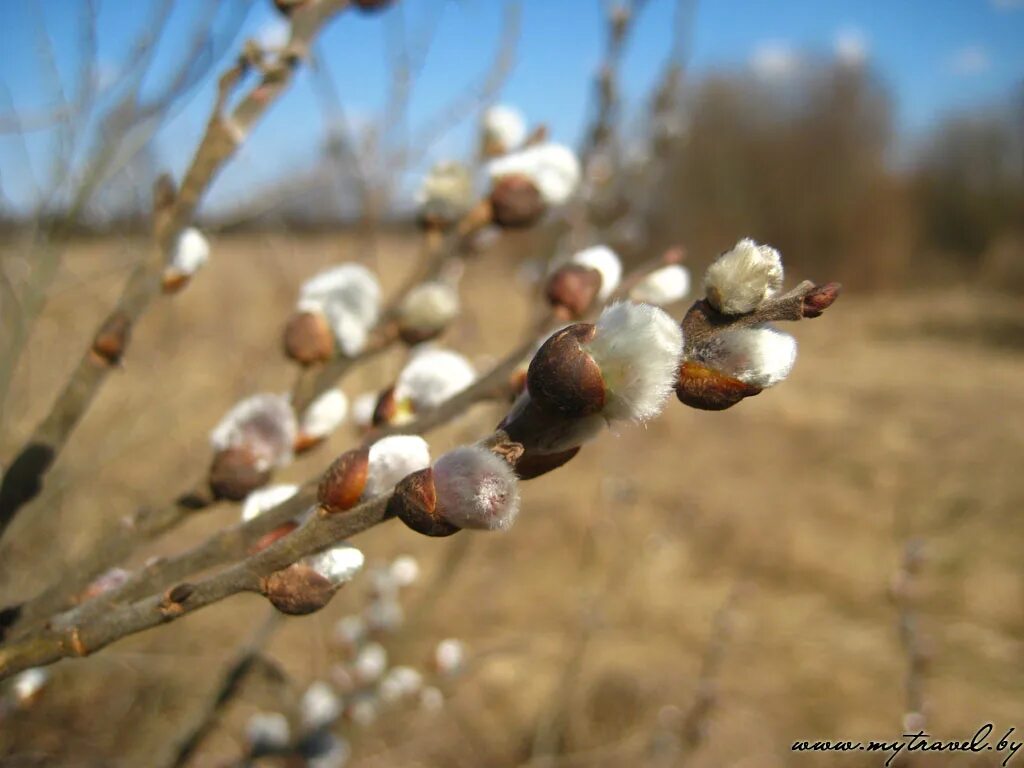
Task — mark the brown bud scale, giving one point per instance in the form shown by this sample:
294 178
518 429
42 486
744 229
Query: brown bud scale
298 590
516 202
563 378
343 482
234 474
710 390
573 287
414 502
112 339
308 338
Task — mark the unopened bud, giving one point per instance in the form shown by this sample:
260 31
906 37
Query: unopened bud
322 417
663 286
573 287
308 338
606 262
344 481
503 129
533 465
267 732
516 202
820 299
414 502
320 706
449 656
236 472
445 195
426 311
112 339
298 590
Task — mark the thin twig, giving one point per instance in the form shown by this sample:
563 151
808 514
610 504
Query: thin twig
24 477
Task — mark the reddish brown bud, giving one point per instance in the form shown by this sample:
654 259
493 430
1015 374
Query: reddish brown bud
343 482
820 299
414 502
386 409
563 378
573 287
234 474
531 465
304 442
267 539
308 338
173 281
112 339
516 202
710 390
298 590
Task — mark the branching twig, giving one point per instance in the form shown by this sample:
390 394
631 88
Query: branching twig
23 479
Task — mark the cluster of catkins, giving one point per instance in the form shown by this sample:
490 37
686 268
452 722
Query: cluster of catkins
362 683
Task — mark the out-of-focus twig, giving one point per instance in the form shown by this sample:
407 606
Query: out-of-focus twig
235 674
224 133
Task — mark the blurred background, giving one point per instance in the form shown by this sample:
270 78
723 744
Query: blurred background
835 559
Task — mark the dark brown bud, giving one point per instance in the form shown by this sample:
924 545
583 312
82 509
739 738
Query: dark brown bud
298 590
563 378
710 390
112 339
573 287
343 482
820 299
372 5
234 474
516 202
278 533
531 465
387 410
308 338
305 443
414 502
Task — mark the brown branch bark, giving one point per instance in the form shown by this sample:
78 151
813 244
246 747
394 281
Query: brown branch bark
23 479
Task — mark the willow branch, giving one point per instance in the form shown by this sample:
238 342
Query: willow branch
224 134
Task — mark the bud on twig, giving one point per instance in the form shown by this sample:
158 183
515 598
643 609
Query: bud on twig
663 286
445 195
502 130
256 436
308 338
112 339
344 481
432 376
391 459
525 183
710 390
191 251
236 472
426 311
298 590
320 419
347 298
820 299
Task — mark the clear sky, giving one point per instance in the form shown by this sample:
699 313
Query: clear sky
935 56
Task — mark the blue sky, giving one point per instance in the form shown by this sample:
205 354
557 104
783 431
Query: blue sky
936 56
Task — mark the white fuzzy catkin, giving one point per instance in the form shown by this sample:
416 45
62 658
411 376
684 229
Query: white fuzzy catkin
399 683
606 262
362 409
349 631
320 706
446 190
504 127
338 565
432 376
742 278
325 414
191 251
265 424
476 489
405 570
663 286
370 663
637 347
761 356
267 732
449 656
553 169
429 307
391 459
263 499
28 683
349 297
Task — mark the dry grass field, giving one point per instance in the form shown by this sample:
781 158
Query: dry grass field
589 620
